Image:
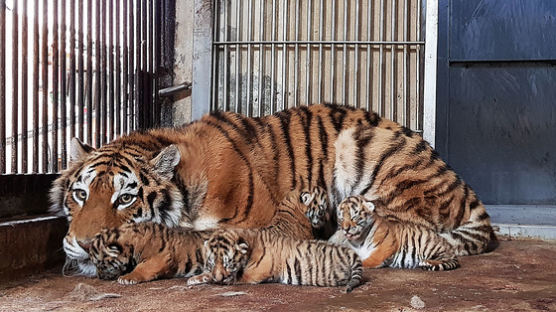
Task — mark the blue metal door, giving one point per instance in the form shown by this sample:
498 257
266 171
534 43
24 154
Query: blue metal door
496 111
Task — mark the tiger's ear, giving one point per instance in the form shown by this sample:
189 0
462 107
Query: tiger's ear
369 205
79 150
166 161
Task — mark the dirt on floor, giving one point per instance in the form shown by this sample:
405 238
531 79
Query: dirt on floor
517 276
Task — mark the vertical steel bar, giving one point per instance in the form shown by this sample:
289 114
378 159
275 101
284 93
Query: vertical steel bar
138 63
405 74
157 46
81 72
260 93
111 69
71 69
24 82
3 85
368 82
393 108
15 95
321 38
145 103
55 75
131 67
272 61
118 71
103 78
36 59
418 102
249 57
285 19
150 71
125 67
44 74
238 57
344 55
333 54
356 57
225 97
98 88
381 60
215 56
296 56
89 94
63 85
308 56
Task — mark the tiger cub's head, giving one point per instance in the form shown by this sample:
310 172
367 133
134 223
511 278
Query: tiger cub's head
128 180
227 253
110 257
316 200
355 217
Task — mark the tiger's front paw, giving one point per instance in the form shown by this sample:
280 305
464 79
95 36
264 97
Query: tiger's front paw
199 279
128 280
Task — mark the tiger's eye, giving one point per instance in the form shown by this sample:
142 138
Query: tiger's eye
80 194
126 199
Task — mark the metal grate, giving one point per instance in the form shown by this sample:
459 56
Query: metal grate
93 68
270 55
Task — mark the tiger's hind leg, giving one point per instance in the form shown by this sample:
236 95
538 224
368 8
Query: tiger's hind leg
440 264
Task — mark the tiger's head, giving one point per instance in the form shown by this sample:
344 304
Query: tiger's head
227 253
124 181
316 200
109 256
355 217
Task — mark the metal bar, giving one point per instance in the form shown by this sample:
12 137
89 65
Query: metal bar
405 73
260 93
63 84
308 56
117 34
381 60
368 82
55 75
151 116
44 74
111 69
356 58
98 88
225 96
238 56
24 82
81 73
15 95
145 105
344 55
249 56
285 19
89 94
333 53
418 125
215 55
166 92
138 62
321 37
131 68
36 59
103 77
272 61
429 96
3 86
296 57
125 68
328 42
157 46
71 69
393 107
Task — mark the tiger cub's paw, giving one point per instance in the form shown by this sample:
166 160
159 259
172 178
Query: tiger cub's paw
199 279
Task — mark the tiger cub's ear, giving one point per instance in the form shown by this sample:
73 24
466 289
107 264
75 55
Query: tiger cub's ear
166 161
242 247
305 198
369 205
79 150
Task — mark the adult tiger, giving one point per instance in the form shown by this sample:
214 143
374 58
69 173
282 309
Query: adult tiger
223 170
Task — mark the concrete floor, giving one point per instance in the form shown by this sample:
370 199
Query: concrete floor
517 276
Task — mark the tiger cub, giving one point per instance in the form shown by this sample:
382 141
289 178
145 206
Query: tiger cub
256 256
141 252
383 242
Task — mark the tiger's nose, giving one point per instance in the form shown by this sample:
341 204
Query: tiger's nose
85 244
